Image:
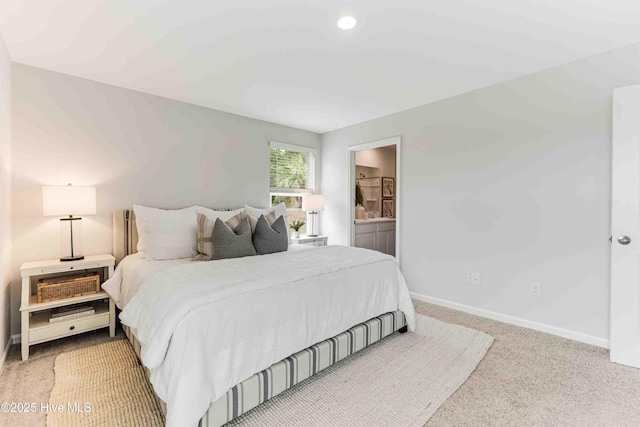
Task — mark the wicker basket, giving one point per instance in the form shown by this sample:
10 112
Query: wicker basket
69 287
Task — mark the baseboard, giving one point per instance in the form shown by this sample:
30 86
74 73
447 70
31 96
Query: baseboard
518 321
17 338
4 354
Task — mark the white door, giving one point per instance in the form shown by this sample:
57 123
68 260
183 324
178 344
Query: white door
625 227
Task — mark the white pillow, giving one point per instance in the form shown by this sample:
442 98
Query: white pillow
280 209
166 234
174 244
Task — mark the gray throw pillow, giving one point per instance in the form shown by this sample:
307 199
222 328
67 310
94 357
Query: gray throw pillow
268 239
228 243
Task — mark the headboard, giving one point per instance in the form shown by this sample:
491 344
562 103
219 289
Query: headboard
125 234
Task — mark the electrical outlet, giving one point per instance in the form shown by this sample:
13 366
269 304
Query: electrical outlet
475 279
535 289
467 277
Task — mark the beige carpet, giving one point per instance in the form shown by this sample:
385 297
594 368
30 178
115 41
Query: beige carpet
527 378
531 378
99 386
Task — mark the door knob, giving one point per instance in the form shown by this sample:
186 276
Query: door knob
624 240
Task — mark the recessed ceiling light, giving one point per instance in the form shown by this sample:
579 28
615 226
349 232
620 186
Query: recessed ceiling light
347 22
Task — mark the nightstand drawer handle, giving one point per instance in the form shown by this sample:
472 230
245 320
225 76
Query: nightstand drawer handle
71 328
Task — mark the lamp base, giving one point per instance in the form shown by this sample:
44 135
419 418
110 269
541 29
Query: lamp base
71 239
312 224
72 258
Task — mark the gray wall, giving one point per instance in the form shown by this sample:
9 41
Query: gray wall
5 194
512 182
135 148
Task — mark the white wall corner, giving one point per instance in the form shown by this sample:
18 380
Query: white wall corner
517 321
4 353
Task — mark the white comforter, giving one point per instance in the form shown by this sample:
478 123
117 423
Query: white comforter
207 326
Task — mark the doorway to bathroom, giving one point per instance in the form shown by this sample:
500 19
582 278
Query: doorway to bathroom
375 196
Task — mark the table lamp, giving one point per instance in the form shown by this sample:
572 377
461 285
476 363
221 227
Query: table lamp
312 203
69 200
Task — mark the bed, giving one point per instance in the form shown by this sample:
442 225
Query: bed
219 338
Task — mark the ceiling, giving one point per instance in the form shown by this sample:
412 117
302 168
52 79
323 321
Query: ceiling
285 61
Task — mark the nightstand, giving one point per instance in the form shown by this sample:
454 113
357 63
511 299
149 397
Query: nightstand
36 326
306 240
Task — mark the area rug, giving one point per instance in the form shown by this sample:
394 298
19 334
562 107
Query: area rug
401 380
102 385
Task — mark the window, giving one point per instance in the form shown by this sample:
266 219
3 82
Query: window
292 173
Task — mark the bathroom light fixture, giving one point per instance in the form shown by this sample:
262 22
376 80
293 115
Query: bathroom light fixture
347 22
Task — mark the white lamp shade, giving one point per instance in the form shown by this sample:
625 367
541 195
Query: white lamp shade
62 200
313 203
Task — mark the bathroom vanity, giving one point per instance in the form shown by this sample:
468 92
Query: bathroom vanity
377 233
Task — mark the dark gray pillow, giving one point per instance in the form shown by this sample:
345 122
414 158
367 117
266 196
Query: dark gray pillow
228 243
268 239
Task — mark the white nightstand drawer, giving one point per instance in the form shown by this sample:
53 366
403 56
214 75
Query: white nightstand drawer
64 269
66 328
311 241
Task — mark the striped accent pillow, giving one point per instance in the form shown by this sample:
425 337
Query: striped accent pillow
205 230
270 217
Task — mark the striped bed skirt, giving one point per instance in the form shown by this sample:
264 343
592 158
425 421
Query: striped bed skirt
294 369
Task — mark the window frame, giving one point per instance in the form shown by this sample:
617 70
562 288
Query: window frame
294 192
